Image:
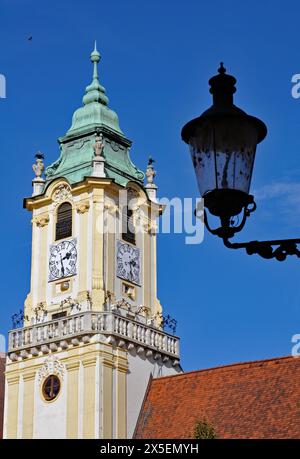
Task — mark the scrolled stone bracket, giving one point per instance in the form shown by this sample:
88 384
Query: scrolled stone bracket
41 220
82 207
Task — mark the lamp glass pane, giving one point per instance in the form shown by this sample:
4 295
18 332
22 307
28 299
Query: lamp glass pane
223 155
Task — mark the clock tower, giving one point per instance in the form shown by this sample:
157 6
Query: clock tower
93 326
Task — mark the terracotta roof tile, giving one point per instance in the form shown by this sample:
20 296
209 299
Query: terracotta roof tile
258 399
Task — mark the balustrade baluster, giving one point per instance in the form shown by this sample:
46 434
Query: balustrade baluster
102 322
124 331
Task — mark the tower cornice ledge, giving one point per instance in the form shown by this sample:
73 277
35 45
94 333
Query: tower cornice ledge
35 202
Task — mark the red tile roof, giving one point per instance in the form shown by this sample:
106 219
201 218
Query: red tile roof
248 400
2 368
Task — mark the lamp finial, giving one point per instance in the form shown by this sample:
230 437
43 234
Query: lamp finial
221 69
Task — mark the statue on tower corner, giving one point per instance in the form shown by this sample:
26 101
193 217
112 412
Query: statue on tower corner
99 144
98 160
150 174
38 168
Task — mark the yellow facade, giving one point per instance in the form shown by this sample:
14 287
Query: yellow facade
93 201
93 371
79 390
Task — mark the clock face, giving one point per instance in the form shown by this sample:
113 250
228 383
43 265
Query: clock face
128 262
62 260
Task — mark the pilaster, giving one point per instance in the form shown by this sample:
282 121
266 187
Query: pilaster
121 394
72 399
89 365
12 405
28 404
98 296
82 208
107 397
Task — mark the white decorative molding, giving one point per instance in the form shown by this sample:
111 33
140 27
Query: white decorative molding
122 303
52 366
62 193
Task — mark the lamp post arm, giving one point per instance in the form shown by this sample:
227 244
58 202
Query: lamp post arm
278 249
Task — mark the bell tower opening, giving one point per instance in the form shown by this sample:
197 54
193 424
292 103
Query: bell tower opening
63 228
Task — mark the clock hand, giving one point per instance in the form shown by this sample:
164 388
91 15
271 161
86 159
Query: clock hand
62 265
132 264
67 256
127 263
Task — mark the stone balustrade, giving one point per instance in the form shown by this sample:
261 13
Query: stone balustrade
80 328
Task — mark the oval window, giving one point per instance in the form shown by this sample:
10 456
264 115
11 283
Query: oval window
51 387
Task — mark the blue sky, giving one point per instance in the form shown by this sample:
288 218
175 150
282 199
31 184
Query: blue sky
156 59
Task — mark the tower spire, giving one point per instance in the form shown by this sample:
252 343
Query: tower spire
95 58
95 92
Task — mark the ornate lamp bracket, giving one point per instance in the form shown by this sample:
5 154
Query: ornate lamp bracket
228 226
278 249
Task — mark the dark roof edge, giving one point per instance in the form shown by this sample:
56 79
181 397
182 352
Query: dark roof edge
228 367
142 406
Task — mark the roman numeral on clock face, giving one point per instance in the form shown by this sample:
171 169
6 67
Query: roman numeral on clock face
128 262
62 259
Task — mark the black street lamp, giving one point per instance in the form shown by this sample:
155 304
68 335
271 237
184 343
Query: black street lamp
222 144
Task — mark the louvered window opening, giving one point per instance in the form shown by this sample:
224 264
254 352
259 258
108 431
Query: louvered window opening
64 221
128 233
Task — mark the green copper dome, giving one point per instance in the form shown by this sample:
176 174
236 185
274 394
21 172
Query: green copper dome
76 158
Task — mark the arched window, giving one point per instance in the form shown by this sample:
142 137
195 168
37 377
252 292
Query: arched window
128 232
64 221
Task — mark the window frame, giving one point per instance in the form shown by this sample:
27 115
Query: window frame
66 235
128 217
51 377
127 235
